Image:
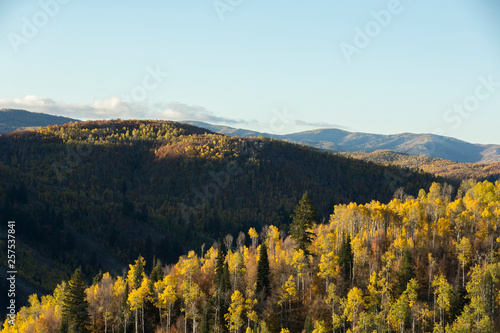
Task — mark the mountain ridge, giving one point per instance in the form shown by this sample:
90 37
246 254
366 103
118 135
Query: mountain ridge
17 119
342 141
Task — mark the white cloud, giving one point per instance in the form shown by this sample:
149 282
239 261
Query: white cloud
115 107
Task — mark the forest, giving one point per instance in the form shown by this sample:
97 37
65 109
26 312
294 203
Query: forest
79 191
424 263
437 166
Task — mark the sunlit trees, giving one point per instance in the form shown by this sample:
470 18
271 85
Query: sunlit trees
464 251
442 290
236 309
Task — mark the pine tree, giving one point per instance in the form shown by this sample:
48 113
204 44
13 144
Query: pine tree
263 283
308 324
219 267
157 273
346 257
406 271
304 217
75 306
225 280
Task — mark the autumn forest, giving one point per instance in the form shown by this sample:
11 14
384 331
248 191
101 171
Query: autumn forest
416 264
143 226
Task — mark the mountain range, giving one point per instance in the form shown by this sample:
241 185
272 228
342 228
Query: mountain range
328 139
337 140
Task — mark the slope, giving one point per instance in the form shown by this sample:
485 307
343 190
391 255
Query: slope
13 120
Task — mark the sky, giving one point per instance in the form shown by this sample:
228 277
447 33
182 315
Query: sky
274 66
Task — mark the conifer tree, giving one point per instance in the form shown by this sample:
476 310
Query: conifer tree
304 217
406 271
346 257
263 283
75 306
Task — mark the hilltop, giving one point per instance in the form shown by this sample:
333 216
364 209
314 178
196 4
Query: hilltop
13 120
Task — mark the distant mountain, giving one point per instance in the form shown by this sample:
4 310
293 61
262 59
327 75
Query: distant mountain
336 140
13 120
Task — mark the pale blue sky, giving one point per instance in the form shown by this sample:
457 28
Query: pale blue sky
273 66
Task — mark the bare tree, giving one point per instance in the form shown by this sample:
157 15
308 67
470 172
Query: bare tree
240 241
228 242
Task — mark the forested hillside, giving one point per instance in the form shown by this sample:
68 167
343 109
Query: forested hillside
97 194
424 264
437 166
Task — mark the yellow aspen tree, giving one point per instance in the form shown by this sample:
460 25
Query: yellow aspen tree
254 235
288 292
319 327
92 299
119 289
299 261
354 305
167 297
328 267
235 312
442 290
432 264
190 293
136 300
464 250
360 252
332 299
107 306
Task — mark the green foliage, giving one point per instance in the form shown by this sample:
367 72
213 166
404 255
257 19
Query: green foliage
308 324
406 271
346 257
263 271
75 306
303 219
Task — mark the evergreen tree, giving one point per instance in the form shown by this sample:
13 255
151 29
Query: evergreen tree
157 273
263 283
138 272
219 267
304 217
406 271
226 280
346 257
75 306
308 324
208 315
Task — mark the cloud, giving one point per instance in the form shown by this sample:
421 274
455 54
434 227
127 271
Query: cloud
319 124
179 111
116 107
106 108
